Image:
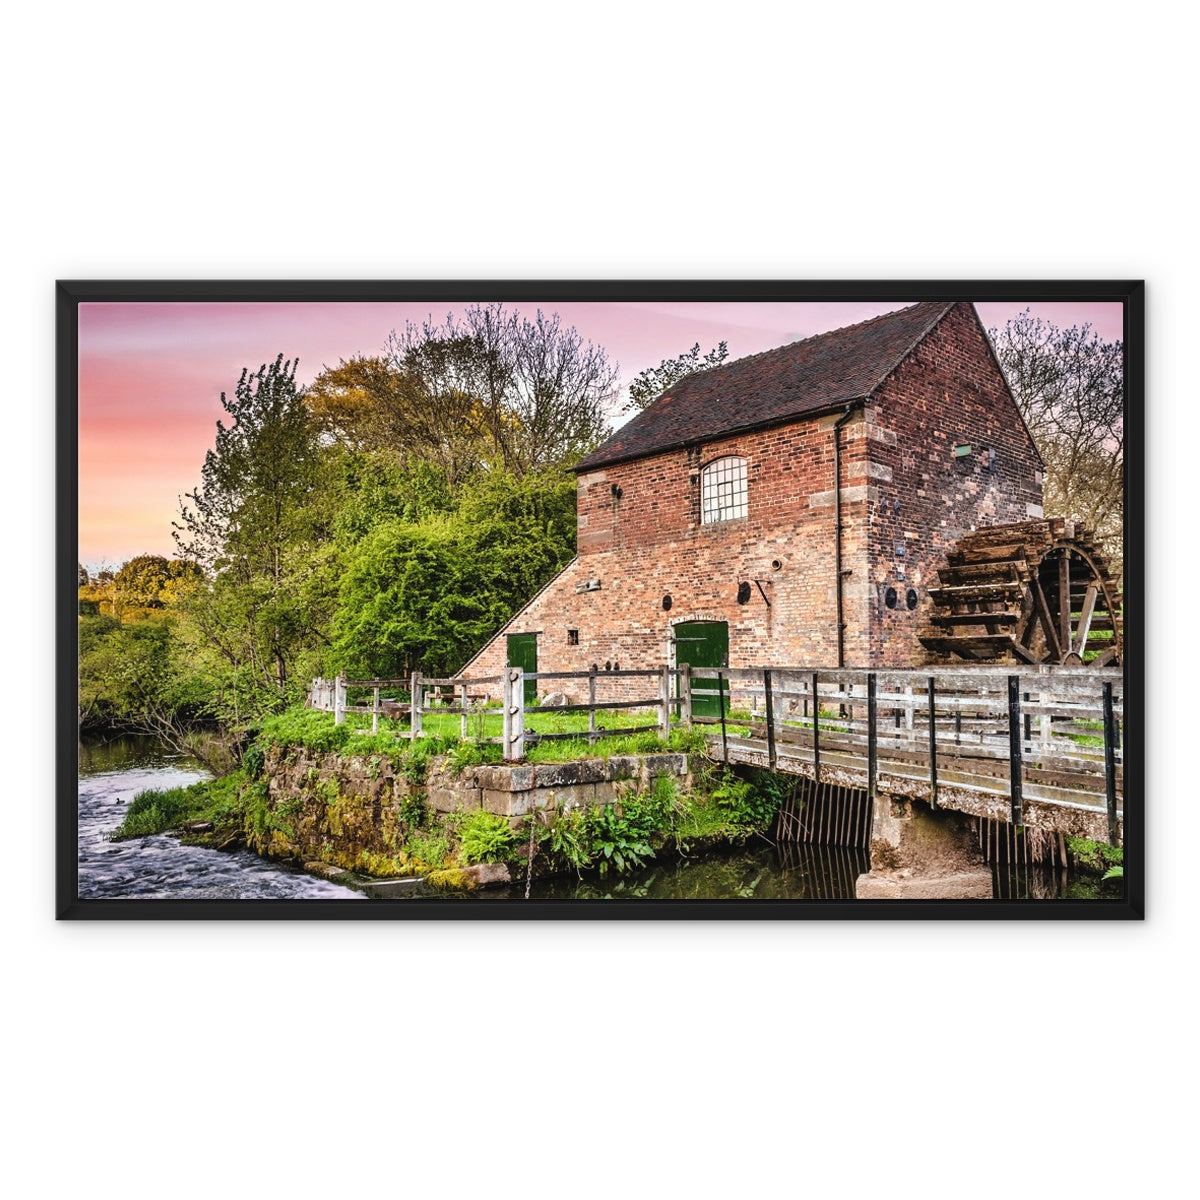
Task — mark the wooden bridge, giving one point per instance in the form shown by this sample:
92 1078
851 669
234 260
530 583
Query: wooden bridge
1032 746
1038 747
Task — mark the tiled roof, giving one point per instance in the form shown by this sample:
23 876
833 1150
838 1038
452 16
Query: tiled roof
801 378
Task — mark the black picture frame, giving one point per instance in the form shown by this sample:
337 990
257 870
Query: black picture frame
71 293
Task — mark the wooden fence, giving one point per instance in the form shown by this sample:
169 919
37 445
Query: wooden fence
467 696
1042 735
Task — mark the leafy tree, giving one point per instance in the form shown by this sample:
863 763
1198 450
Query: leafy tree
252 525
1069 386
428 595
649 384
537 394
376 404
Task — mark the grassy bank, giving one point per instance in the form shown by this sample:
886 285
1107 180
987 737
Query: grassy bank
722 809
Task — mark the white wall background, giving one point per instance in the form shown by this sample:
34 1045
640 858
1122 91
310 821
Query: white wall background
641 140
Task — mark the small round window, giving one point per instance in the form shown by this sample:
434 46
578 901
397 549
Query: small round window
890 598
910 598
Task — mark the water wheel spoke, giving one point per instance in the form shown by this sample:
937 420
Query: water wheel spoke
1085 618
1064 602
1043 611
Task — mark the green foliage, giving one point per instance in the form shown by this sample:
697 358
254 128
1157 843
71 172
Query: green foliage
428 595
156 811
305 727
464 755
251 526
748 804
429 849
485 837
413 810
619 838
568 839
1093 857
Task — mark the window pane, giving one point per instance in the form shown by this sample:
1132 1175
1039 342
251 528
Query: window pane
723 490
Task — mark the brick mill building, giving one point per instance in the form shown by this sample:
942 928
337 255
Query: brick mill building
790 508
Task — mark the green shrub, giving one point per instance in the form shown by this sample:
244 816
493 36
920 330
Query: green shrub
485 837
156 811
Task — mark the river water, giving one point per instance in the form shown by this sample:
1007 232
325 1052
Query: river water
160 867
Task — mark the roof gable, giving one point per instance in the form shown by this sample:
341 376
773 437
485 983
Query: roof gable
793 381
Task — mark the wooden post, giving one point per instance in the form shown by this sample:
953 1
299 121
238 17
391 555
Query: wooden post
506 713
872 720
932 744
910 714
1110 763
517 750
375 709
592 706
1014 749
685 695
415 706
721 710
462 725
339 699
767 702
664 700
816 730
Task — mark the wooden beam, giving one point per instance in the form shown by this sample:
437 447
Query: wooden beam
1064 600
1085 618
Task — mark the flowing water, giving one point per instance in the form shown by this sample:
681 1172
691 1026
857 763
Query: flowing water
160 867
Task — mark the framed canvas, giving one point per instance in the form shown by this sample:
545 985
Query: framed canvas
600 599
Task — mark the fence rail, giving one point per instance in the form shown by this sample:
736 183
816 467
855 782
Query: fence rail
1032 735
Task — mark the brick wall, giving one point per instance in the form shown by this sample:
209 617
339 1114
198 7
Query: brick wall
641 536
949 392
649 542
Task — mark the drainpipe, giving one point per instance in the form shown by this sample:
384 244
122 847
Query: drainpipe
837 523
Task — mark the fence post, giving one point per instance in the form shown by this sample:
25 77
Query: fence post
375 709
592 706
721 710
516 751
417 702
1014 748
664 698
872 721
770 719
462 725
1110 763
506 712
339 699
685 695
816 730
932 744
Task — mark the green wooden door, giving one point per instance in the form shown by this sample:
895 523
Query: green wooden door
704 644
522 652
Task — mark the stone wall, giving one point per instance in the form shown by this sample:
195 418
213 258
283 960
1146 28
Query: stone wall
351 811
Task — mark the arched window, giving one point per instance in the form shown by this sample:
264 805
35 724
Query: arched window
723 490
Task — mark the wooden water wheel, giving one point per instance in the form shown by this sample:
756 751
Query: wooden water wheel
1035 591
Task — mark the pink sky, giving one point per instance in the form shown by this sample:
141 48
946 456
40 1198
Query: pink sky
151 375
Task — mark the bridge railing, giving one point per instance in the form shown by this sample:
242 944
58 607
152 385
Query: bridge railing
1041 733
